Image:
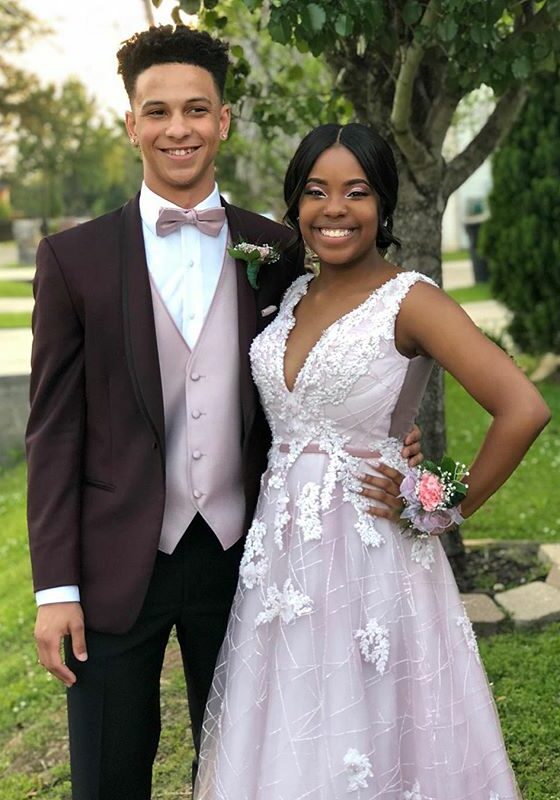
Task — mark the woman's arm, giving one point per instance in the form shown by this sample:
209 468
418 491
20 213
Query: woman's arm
432 324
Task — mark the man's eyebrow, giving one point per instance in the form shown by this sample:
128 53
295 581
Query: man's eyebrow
155 102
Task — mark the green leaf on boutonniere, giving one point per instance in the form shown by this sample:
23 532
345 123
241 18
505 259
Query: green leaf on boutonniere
255 256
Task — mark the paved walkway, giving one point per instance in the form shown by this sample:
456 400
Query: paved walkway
15 345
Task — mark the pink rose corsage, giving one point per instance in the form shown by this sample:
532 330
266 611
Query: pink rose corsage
432 493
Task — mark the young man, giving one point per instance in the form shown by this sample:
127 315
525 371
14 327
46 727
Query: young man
146 440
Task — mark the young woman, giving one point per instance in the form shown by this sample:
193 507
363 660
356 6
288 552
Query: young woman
349 664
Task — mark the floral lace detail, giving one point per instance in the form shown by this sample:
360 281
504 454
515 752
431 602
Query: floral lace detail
281 519
374 644
414 794
287 604
358 769
254 564
335 363
422 552
470 638
309 519
390 453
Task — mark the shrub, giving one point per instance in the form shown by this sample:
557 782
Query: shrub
521 240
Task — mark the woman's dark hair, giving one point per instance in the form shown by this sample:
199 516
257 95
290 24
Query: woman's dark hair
375 157
168 45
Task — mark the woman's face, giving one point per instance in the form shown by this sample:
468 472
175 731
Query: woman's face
338 209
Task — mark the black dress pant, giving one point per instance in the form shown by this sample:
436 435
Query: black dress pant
114 708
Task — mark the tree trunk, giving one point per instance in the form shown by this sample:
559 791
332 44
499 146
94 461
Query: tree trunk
418 225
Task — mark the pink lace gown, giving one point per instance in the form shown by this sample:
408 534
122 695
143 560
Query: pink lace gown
349 667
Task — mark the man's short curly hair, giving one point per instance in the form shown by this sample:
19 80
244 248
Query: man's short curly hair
168 45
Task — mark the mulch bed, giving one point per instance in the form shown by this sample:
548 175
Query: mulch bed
496 567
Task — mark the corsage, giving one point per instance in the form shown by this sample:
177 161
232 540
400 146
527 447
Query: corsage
432 493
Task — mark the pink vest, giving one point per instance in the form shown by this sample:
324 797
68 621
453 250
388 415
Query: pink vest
202 409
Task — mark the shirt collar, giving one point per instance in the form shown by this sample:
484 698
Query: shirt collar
151 203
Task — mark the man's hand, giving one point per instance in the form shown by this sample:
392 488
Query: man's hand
412 447
54 622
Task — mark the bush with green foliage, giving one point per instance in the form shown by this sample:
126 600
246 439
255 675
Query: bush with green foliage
521 241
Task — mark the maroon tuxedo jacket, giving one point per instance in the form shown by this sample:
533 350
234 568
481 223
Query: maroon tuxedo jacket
95 437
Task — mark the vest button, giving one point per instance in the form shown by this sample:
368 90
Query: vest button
197 494
195 376
196 454
195 414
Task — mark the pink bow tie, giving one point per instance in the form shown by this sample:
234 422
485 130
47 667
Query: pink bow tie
209 220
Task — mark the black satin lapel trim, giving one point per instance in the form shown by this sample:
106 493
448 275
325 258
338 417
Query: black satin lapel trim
138 321
247 320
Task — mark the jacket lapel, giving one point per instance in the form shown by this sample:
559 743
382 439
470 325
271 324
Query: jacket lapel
247 319
138 320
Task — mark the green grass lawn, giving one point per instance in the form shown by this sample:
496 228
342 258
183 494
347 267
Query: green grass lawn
522 667
16 289
528 505
471 294
16 319
456 255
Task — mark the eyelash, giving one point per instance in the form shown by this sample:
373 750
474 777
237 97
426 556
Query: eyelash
318 193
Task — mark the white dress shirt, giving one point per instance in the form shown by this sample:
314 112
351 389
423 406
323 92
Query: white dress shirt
185 266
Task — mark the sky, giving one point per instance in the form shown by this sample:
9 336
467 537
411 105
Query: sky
86 36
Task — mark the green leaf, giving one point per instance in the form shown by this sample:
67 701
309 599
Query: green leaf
176 16
280 29
252 274
447 29
210 3
190 6
156 3
344 25
521 67
313 17
237 51
448 465
412 12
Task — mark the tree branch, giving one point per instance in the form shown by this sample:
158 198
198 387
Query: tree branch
415 152
498 124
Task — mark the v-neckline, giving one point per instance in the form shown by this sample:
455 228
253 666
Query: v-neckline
292 323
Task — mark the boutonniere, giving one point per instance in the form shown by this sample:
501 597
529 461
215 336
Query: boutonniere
255 255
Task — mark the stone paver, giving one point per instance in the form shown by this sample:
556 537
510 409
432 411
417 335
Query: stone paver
489 315
17 273
484 614
531 605
15 351
550 553
13 305
553 578
457 274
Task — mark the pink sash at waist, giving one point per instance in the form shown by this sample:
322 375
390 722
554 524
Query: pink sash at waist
314 447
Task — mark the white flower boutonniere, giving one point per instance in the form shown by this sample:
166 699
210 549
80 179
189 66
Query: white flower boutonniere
255 255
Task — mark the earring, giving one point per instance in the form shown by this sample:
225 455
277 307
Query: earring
133 141
223 136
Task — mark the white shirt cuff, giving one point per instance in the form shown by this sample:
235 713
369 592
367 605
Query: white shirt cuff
58 594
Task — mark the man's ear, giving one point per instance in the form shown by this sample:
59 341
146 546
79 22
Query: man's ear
225 120
130 125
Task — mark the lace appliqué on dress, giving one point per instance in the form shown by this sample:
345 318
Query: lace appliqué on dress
358 769
414 793
309 519
254 564
422 552
287 604
374 644
470 638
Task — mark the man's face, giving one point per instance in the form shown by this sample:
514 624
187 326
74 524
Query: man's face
178 119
